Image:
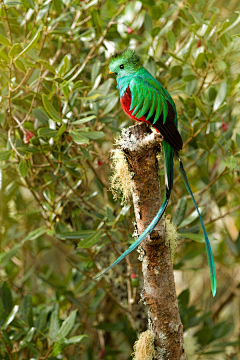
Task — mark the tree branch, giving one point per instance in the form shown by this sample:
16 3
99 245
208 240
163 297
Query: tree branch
159 291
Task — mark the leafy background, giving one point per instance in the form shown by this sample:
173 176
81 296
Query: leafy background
60 226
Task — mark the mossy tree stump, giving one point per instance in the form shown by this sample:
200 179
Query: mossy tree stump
140 146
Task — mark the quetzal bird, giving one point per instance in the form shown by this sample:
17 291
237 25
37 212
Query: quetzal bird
143 98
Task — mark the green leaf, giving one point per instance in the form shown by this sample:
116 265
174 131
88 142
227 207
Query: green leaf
224 40
4 155
27 338
78 137
202 145
94 135
58 5
82 121
47 66
220 96
91 240
10 317
221 65
199 61
22 167
54 324
92 97
58 348
32 43
6 298
189 78
204 335
171 39
26 306
199 104
110 326
183 300
61 130
46 132
176 71
78 84
238 140
196 237
7 339
20 65
15 50
29 150
52 112
148 22
61 344
12 3
222 329
32 349
180 211
155 31
75 339
96 21
35 234
111 104
79 234
233 24
231 162
85 153
191 218
4 40
41 320
67 325
41 115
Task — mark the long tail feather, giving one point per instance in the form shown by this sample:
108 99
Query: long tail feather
208 246
168 162
146 232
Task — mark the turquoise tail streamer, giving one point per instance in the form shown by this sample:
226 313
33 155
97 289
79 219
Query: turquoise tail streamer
168 163
208 246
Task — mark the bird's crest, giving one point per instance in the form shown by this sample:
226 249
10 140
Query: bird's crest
129 56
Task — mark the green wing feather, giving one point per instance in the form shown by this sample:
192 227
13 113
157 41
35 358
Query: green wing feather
149 96
159 108
152 108
145 106
140 99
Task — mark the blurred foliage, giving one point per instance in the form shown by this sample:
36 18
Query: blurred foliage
59 116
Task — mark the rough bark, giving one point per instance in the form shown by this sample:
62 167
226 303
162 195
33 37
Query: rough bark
140 146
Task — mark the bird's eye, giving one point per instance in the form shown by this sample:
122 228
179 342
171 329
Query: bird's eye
115 73
121 66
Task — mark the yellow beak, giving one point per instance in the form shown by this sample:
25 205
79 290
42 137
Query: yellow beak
110 72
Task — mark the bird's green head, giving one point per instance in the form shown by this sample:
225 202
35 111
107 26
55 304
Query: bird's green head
125 64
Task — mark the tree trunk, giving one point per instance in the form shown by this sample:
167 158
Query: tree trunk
140 146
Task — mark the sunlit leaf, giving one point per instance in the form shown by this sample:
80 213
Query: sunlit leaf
79 137
194 215
220 96
31 44
54 325
10 317
84 120
52 112
4 40
67 325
